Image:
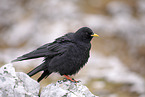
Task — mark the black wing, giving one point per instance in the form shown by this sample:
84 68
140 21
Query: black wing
48 50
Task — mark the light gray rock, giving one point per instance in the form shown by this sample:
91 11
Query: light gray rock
17 84
66 89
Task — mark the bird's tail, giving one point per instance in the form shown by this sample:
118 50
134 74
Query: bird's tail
45 74
37 69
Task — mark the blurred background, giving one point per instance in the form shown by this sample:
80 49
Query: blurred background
116 67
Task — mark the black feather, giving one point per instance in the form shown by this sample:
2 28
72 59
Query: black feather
45 74
66 55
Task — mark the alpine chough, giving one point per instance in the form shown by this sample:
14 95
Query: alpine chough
66 55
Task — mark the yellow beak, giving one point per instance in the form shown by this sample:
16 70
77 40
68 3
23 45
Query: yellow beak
95 35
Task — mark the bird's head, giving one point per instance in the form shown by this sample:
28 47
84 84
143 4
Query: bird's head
85 34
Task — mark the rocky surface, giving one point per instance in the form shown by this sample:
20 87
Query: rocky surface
19 84
66 89
16 84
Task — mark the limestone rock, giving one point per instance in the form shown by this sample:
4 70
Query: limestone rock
17 84
66 89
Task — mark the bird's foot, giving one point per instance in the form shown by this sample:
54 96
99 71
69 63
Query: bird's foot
75 81
70 79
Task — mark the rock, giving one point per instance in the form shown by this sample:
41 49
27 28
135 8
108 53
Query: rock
17 84
66 89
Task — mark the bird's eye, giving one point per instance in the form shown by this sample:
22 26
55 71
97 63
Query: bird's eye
87 33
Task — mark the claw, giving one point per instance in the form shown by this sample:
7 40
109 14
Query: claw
71 79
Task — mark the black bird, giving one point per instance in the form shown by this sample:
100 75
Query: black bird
66 55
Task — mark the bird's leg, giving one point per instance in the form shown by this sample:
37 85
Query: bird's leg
68 78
